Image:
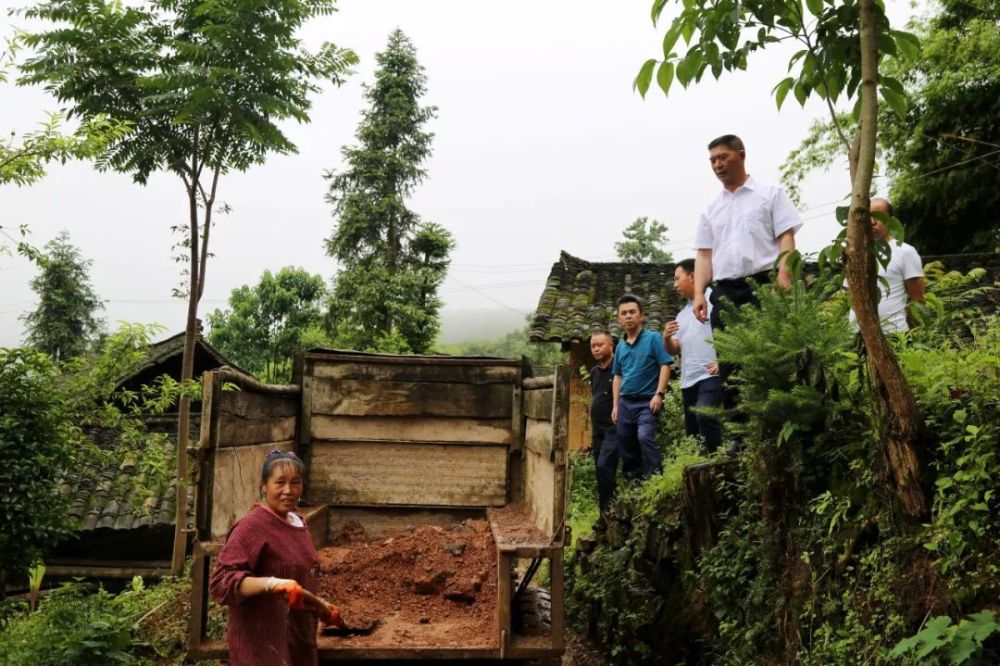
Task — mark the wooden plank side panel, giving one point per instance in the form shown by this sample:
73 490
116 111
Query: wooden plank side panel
385 521
538 404
409 474
236 482
412 428
539 490
538 436
404 372
371 398
252 418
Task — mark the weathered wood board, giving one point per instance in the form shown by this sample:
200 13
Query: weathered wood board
409 474
538 436
352 397
483 374
252 418
539 490
412 428
538 404
236 483
385 521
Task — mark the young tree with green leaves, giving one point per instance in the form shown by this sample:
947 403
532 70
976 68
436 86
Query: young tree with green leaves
204 85
64 324
267 322
644 242
391 264
940 155
38 440
842 44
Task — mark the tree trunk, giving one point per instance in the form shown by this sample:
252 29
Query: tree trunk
895 404
184 408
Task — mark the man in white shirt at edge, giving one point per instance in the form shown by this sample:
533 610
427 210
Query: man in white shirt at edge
904 275
700 383
740 234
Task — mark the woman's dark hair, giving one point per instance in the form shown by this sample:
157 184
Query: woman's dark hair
275 458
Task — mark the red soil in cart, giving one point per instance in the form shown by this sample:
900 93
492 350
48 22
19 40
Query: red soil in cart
425 587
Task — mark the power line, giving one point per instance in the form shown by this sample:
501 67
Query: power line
490 298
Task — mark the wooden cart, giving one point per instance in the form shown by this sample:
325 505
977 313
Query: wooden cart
391 442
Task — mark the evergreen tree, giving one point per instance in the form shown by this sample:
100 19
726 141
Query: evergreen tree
64 324
391 263
643 243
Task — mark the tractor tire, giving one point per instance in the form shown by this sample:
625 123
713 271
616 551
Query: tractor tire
532 613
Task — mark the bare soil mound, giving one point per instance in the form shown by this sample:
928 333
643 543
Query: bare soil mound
426 587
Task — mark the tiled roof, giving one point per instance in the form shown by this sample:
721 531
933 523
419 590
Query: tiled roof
579 296
107 496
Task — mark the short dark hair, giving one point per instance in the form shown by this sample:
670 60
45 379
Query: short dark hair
687 265
282 458
602 331
730 141
629 298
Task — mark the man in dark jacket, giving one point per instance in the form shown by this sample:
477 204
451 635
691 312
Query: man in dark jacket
604 433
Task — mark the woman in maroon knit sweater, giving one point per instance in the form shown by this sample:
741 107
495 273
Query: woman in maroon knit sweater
268 559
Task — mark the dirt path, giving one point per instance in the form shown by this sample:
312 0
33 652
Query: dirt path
580 652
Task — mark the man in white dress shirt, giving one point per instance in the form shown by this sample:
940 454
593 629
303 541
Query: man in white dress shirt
904 276
740 234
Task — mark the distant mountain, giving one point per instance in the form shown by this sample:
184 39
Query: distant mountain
466 325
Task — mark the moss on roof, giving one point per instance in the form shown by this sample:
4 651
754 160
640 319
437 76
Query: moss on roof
579 296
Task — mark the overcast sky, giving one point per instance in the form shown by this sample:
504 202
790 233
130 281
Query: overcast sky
540 146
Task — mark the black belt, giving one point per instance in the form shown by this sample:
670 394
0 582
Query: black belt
637 397
760 278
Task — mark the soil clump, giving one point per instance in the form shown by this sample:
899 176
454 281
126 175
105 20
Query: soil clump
428 586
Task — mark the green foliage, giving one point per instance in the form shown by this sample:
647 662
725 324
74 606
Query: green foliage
945 643
63 325
813 563
202 84
942 153
944 142
391 263
266 323
720 36
644 241
75 624
38 442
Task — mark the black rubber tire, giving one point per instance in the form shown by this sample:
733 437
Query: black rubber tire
532 612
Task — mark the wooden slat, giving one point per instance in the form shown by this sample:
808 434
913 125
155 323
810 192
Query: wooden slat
538 436
198 619
413 474
236 482
384 521
538 404
411 428
558 615
560 445
411 359
539 490
504 598
368 398
249 418
517 418
453 374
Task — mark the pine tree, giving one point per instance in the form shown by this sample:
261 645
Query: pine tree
65 323
391 263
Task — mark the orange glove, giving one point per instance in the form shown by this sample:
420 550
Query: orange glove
290 588
332 617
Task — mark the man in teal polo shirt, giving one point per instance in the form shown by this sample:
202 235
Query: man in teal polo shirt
641 370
